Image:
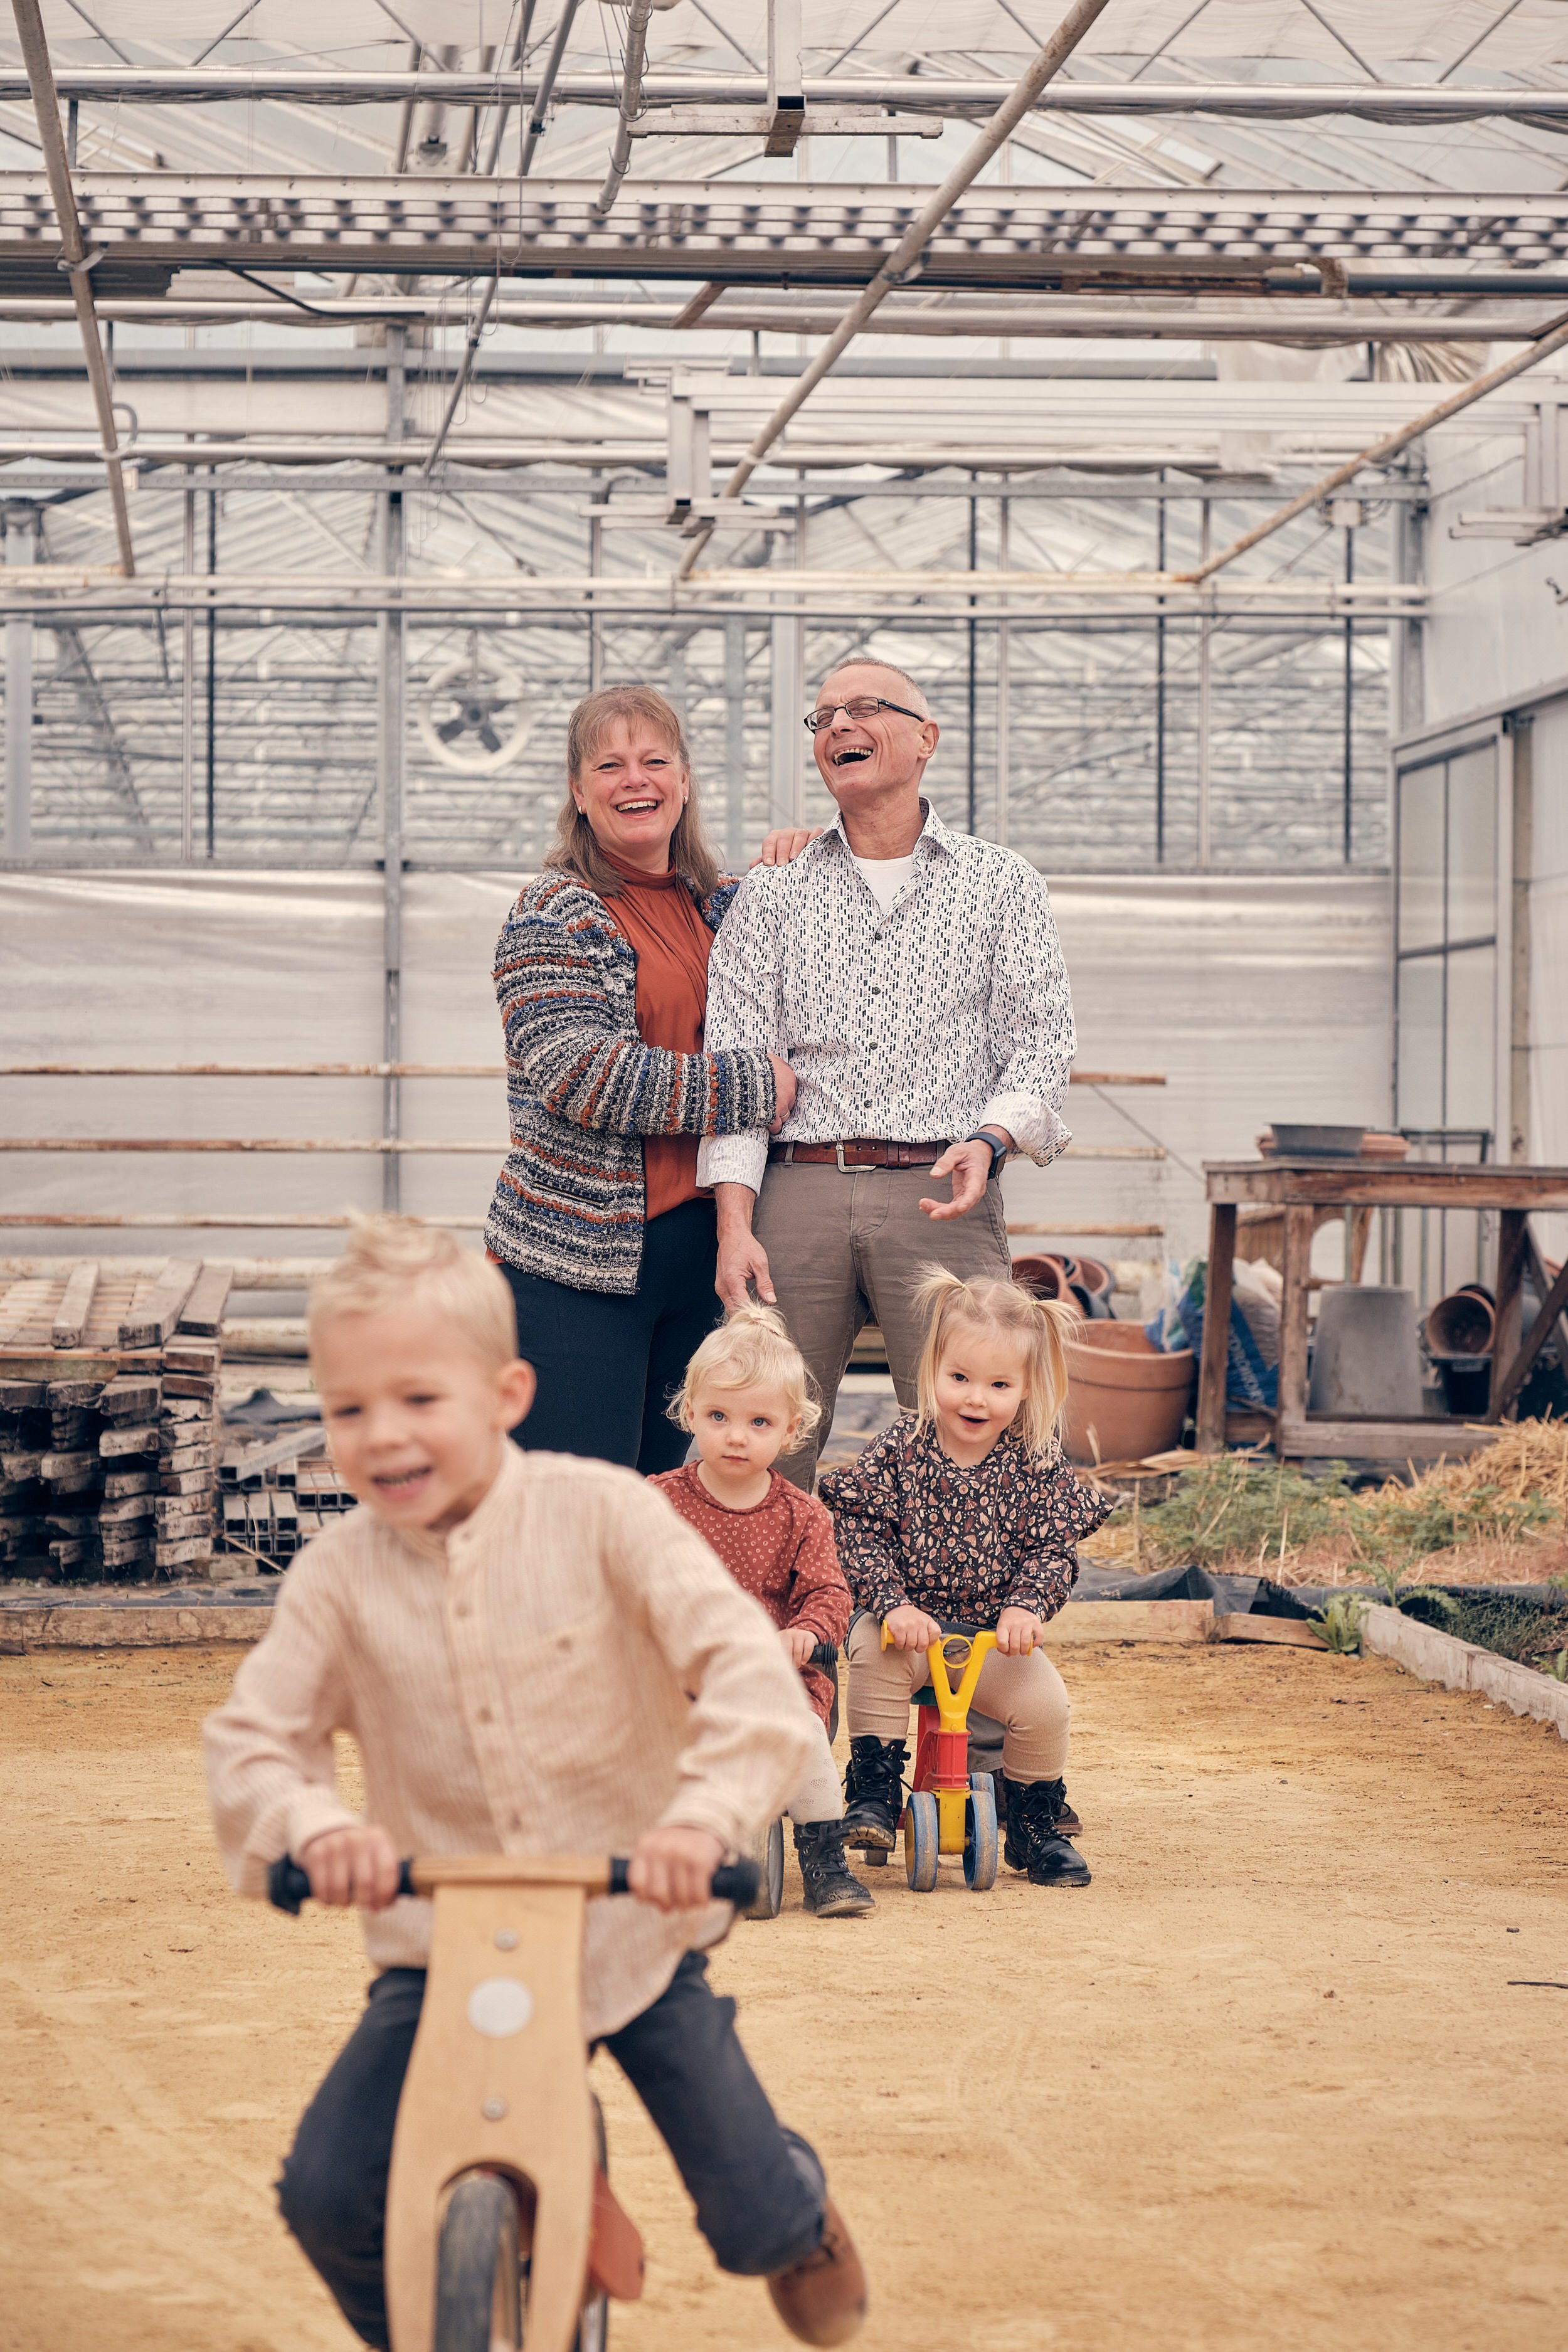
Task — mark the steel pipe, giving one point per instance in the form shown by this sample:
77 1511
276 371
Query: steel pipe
75 258
901 262
930 94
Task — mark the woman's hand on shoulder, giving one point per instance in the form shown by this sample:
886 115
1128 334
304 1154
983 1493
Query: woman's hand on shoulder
1018 1632
783 845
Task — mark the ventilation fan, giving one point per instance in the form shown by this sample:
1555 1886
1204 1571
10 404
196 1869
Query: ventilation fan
473 716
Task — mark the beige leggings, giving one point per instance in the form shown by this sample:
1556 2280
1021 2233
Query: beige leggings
1026 1696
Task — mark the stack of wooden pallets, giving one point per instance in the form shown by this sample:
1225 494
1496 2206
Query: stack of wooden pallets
109 1413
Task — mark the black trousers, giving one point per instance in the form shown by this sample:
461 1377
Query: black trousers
758 2188
608 1366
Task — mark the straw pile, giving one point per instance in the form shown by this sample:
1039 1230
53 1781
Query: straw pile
1500 1516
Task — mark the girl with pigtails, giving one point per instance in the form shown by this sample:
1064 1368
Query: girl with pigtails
965 1513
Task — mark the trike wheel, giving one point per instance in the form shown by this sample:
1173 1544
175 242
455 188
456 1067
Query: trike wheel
921 1840
980 1834
874 1857
768 1853
478 2270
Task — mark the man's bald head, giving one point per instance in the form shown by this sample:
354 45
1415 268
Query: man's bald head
905 688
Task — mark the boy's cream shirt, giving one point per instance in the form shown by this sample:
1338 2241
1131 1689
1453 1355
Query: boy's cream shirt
518 1686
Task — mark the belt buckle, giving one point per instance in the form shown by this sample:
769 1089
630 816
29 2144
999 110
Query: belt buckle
843 1167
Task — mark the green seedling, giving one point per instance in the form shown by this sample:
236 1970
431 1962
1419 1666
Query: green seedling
1340 1623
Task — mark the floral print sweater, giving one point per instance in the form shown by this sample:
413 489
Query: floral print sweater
915 1528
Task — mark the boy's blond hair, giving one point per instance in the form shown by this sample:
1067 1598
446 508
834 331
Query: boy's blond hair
389 1260
1037 1323
752 1349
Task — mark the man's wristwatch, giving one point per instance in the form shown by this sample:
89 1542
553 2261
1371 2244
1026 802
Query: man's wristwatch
998 1150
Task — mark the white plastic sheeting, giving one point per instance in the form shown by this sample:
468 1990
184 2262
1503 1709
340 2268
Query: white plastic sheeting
1257 997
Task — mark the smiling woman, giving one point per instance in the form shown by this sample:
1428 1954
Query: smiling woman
602 976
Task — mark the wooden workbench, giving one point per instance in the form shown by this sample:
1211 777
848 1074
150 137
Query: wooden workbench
1301 1188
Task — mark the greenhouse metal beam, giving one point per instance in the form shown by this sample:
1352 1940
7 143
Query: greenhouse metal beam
907 255
1290 101
74 258
998 315
1108 239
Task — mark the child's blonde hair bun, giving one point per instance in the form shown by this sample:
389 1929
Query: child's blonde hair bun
751 1348
390 1261
1039 1325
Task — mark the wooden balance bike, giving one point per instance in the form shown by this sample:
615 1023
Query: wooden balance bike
501 2230
949 1810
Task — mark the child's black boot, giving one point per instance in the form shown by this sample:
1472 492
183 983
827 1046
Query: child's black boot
1035 1843
832 1890
874 1792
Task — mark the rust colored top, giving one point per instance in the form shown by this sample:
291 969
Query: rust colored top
661 919
781 1552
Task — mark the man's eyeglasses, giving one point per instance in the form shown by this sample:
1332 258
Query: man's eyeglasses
862 706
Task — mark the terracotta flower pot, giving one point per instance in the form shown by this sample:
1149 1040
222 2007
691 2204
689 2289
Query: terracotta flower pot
1125 1397
1043 1278
1463 1324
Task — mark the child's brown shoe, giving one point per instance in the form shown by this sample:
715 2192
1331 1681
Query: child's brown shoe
822 2300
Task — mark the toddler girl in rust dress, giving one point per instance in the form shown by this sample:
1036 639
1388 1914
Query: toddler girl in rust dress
966 1513
746 1399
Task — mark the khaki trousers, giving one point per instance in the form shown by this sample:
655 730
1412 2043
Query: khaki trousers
844 1250
1028 1695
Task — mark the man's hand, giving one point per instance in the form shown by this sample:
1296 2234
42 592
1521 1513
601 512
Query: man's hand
783 845
799 1641
673 1868
741 1257
358 1866
910 1629
1018 1631
784 1088
969 1165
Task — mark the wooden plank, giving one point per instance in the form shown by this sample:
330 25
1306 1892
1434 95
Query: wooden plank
1508 1305
1290 1633
1349 1184
1216 1328
1328 1437
71 1314
155 1320
202 1312
1550 1319
1132 1621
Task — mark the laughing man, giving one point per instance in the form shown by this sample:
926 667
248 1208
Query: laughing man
913 977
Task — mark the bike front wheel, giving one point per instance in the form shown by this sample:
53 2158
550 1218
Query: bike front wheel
478 2268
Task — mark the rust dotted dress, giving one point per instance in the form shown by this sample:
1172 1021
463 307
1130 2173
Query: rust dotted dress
781 1551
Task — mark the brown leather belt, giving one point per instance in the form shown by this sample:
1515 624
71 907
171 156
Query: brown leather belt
863 1152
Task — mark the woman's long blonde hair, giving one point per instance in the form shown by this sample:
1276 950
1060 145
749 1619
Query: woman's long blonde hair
576 849
1038 1325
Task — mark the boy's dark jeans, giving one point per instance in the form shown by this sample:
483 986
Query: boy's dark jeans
758 2188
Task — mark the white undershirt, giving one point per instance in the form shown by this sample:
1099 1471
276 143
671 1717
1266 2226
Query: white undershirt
886 876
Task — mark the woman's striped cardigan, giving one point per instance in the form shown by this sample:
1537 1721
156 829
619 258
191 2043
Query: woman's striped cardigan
583 1090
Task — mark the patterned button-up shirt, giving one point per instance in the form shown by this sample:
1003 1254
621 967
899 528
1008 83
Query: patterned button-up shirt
950 1011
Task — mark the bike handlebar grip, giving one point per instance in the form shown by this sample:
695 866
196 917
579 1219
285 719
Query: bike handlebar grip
732 1882
737 1883
288 1885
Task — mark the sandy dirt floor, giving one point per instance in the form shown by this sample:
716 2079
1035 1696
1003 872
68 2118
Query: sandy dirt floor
1266 2084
